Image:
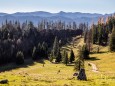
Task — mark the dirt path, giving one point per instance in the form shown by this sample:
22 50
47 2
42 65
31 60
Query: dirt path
79 42
94 67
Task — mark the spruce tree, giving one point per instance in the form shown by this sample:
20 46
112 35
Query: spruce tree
79 63
56 48
94 34
66 59
44 50
112 40
39 51
72 56
110 23
63 55
100 39
85 36
85 52
51 57
58 57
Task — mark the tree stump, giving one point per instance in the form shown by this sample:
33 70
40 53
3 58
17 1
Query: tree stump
82 75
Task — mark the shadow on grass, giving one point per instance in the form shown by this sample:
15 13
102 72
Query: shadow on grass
40 61
93 58
27 62
10 66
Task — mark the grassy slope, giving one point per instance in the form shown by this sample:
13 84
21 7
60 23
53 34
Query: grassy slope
37 75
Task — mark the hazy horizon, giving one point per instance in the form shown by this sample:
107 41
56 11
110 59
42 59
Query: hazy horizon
55 12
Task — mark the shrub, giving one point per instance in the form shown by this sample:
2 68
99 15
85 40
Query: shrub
19 57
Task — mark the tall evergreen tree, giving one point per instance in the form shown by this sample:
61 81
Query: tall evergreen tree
89 40
58 57
72 56
51 57
66 59
112 40
100 39
85 36
56 48
79 63
85 52
44 50
94 34
63 55
39 51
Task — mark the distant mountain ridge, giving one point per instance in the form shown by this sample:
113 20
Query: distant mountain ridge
37 16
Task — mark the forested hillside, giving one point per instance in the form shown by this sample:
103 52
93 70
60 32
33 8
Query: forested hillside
16 37
101 33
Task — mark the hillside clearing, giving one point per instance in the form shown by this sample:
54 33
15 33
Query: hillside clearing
37 75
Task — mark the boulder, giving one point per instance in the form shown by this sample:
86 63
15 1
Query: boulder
4 81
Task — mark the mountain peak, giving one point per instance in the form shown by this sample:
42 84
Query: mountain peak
62 12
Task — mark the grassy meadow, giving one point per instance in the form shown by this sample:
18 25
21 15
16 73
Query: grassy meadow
35 74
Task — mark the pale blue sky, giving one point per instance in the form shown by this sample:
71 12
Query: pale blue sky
54 6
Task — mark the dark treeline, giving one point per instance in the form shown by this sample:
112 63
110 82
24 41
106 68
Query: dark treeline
21 39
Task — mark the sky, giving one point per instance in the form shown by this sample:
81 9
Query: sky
54 6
